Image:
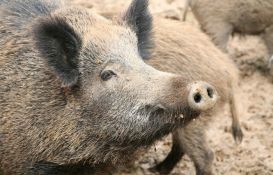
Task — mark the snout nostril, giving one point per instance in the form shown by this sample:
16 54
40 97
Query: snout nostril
197 97
210 92
202 96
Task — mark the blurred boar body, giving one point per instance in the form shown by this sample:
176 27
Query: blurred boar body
222 18
183 49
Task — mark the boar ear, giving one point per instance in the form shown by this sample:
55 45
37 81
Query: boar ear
139 19
59 45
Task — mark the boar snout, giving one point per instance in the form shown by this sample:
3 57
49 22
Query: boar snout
202 96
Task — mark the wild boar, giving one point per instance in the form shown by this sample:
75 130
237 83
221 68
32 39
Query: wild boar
183 49
221 19
75 93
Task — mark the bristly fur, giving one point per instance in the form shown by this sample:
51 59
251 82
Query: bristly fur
60 45
94 125
140 20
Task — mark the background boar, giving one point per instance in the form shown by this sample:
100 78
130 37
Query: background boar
220 19
183 49
75 94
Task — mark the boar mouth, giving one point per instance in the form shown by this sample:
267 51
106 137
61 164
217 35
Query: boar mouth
177 115
162 121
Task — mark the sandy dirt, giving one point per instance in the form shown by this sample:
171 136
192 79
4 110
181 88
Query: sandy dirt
255 155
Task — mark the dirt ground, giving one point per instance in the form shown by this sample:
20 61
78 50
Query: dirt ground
255 155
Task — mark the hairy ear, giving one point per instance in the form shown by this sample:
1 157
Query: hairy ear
139 19
59 45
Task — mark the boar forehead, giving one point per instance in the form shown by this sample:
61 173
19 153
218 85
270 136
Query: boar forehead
112 43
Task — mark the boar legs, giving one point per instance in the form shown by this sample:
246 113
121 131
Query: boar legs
268 38
271 64
237 132
167 165
190 140
220 33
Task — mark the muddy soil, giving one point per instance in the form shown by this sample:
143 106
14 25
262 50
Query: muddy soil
255 155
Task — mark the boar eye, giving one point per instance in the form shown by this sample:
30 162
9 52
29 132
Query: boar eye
106 75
